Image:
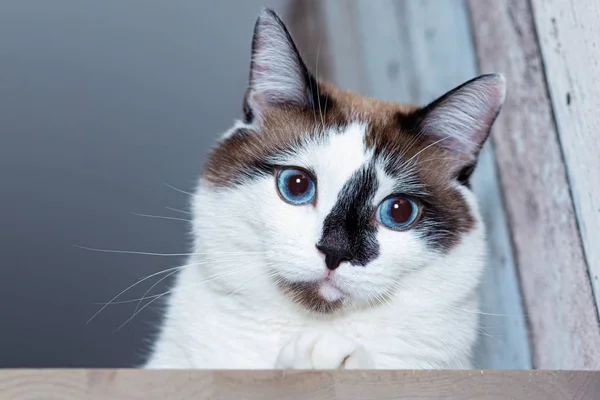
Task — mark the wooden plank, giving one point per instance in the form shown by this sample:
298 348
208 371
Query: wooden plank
278 385
569 36
415 51
554 280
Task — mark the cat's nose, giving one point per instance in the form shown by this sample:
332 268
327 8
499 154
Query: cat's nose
334 256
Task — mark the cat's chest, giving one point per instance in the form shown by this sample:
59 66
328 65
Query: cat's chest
244 341
268 334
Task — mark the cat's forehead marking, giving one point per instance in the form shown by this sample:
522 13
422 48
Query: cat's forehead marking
337 159
387 185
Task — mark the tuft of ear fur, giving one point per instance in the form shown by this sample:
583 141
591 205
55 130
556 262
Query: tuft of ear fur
460 121
278 75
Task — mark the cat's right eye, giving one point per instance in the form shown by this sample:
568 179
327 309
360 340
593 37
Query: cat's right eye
296 186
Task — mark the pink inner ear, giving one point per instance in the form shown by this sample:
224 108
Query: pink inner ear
259 68
258 103
258 47
258 41
462 120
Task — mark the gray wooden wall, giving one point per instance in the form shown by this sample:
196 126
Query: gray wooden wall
538 179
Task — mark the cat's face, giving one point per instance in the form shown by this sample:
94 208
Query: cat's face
334 197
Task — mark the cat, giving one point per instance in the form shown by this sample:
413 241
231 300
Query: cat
333 230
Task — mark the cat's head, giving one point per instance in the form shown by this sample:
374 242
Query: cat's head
334 198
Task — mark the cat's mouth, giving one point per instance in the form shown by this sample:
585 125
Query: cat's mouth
322 295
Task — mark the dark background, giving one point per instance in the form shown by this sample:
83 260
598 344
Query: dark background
101 101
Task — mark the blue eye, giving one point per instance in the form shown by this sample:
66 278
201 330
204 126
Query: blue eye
296 186
397 212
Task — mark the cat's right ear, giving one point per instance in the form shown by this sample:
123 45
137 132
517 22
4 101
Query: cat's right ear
278 75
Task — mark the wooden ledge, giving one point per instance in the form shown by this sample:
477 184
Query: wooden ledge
266 385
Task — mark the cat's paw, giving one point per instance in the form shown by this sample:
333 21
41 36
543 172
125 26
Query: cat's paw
323 350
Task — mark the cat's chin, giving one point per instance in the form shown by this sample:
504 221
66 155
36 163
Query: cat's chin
329 291
322 296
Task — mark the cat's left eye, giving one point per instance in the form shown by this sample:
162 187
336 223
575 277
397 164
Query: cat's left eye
296 186
397 212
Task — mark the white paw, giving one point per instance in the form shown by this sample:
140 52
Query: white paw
323 350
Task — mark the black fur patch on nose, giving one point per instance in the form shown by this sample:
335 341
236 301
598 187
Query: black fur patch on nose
348 227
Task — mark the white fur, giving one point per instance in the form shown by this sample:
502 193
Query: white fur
411 308
315 349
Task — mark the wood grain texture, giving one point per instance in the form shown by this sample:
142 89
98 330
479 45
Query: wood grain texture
414 51
569 35
278 385
554 279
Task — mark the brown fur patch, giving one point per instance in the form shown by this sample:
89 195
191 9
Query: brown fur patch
392 133
306 294
281 127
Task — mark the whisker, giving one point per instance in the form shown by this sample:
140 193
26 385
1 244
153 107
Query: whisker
161 217
174 188
139 311
144 297
426 147
490 314
437 159
414 140
313 107
245 283
208 280
174 270
325 108
317 78
131 286
144 253
165 293
178 210
484 333
153 286
129 301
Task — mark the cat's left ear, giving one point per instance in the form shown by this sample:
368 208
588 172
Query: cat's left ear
278 75
460 121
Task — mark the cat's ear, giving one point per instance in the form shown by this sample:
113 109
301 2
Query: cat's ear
460 121
278 75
